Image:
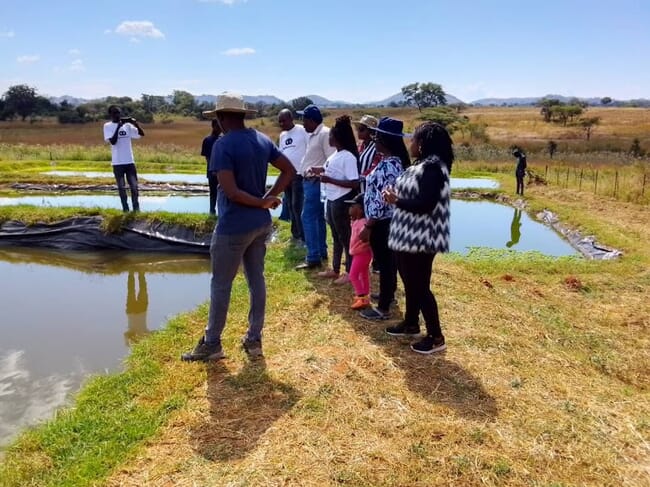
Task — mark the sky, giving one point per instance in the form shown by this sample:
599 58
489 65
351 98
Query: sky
357 51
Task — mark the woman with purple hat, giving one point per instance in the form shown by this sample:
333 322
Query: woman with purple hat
389 141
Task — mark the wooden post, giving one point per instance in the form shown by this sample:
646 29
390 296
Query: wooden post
596 183
643 188
580 186
616 184
557 176
546 173
566 183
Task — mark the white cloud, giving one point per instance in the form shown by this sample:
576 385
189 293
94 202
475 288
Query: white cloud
28 59
74 52
239 51
77 65
7 33
139 28
134 40
225 2
107 31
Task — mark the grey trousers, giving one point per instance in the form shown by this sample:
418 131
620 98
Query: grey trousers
227 252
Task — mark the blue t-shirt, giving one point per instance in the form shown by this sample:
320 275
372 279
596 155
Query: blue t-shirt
247 154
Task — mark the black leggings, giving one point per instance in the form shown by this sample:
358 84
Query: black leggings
339 220
415 271
385 261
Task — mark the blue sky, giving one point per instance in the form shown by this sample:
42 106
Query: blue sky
351 50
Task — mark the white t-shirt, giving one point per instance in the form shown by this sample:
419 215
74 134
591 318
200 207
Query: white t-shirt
121 152
340 165
293 144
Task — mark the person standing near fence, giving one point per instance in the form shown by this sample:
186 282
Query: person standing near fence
119 132
520 171
206 151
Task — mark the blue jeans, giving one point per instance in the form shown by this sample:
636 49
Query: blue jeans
128 170
313 222
227 252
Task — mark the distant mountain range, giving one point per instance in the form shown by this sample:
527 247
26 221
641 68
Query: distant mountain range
397 98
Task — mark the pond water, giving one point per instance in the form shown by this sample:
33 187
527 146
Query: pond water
456 183
173 203
68 315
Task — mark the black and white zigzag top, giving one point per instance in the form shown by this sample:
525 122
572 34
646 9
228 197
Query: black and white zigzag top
420 223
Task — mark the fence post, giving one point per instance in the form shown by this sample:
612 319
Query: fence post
546 172
643 188
566 183
616 184
580 186
557 176
596 183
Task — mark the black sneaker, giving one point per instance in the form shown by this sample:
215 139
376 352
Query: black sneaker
203 352
374 314
403 330
252 347
429 345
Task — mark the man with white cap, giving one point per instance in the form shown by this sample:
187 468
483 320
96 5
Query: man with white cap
240 161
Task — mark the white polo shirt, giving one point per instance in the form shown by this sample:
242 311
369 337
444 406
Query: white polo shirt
318 149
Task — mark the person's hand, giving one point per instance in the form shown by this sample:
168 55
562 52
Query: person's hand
271 202
317 171
390 196
364 236
325 179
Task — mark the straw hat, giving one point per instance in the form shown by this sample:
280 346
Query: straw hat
229 102
367 120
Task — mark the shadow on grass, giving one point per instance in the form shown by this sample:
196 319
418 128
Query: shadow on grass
436 378
242 408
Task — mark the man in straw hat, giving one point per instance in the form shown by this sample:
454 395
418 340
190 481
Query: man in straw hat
240 161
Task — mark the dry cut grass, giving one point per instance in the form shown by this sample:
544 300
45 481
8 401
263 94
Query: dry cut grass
545 383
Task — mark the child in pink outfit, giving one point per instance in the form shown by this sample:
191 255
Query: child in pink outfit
362 255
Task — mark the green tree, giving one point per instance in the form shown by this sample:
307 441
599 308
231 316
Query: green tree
300 103
546 106
153 103
606 100
551 148
588 124
636 150
184 103
20 100
424 95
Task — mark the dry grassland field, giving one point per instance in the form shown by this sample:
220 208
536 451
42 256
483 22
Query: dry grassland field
545 383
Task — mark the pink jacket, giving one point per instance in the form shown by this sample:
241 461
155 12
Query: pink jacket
356 245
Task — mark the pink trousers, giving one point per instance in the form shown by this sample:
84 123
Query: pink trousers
360 273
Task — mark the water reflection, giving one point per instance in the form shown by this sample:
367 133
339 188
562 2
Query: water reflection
173 203
515 229
64 317
136 308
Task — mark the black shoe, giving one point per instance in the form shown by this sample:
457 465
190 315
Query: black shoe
403 330
252 347
374 314
308 265
203 352
429 345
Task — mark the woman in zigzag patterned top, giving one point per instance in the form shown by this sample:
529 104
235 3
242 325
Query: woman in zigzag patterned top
420 229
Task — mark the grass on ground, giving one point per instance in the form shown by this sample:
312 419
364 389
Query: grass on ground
545 383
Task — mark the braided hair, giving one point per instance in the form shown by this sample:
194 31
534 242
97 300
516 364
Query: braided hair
433 139
342 132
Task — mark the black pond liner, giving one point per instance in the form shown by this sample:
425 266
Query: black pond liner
86 233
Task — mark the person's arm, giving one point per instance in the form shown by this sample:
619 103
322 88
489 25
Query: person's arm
113 138
134 122
429 189
350 173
